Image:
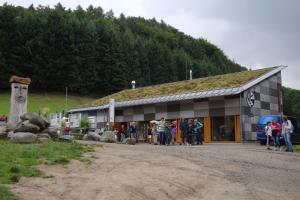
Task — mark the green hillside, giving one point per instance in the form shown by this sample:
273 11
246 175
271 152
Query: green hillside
38 101
95 52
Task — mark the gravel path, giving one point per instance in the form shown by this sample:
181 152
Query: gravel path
214 171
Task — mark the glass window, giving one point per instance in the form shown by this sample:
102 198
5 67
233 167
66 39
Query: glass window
223 128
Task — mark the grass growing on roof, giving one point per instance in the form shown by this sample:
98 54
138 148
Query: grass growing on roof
18 160
181 87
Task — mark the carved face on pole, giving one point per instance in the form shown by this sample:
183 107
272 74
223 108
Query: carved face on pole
20 93
18 101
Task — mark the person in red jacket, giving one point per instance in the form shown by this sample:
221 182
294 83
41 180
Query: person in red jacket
276 131
68 129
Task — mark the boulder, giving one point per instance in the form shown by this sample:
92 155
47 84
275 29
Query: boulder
92 136
108 136
66 137
43 135
131 141
85 137
3 132
10 134
35 119
27 126
23 137
46 121
43 140
52 131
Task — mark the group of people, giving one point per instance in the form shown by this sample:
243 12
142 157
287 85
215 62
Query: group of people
275 130
164 132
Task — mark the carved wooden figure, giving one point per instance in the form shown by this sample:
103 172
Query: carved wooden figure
18 100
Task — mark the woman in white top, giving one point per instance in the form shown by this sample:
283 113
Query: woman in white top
287 130
268 132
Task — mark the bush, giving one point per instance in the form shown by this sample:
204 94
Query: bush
84 125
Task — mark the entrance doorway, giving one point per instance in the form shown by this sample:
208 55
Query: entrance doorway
223 128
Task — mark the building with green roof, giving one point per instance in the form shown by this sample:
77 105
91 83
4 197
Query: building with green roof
228 105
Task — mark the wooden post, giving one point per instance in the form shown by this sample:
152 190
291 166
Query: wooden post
207 129
18 100
237 122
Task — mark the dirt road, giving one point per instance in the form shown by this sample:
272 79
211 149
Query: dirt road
215 171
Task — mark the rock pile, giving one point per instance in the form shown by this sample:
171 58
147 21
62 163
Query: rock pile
106 136
32 128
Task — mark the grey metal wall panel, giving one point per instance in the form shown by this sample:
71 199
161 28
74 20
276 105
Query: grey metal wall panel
119 118
160 108
173 115
138 110
201 105
139 117
187 114
149 109
201 113
214 112
186 106
232 111
149 116
128 118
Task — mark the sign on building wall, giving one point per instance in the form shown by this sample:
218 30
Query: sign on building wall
250 99
111 110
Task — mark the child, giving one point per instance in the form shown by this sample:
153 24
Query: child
268 132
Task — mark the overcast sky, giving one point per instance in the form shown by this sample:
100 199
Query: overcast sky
254 33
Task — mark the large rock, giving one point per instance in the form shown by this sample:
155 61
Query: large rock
3 132
27 126
92 136
108 136
43 137
23 137
131 141
35 119
10 134
52 131
66 137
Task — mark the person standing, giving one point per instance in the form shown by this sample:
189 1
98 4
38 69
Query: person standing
184 126
149 133
287 130
123 133
162 131
132 130
268 133
191 133
276 131
198 129
173 132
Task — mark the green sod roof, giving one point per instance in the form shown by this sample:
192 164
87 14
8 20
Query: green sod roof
182 87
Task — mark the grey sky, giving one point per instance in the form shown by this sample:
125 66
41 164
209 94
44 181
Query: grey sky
254 33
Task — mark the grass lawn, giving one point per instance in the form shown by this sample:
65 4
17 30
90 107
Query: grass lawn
38 101
18 160
296 148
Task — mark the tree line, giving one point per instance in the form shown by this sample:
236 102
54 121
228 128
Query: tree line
94 52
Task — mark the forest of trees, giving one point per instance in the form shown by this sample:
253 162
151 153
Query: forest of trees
94 52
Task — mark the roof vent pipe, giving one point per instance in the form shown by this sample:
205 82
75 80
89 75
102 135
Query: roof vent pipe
191 74
133 84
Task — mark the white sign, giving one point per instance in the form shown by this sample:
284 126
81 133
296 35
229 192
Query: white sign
250 99
111 110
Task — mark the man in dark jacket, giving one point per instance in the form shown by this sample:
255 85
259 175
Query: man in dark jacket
184 126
